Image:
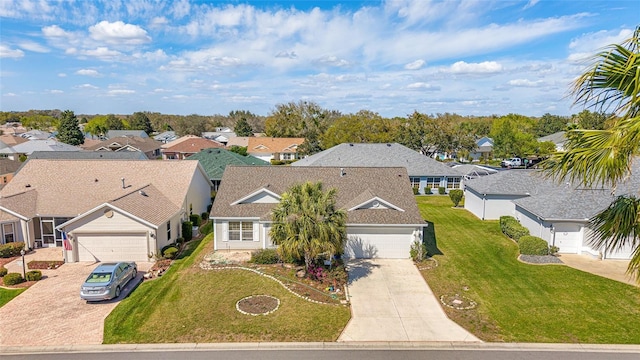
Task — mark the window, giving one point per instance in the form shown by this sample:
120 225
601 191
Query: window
240 231
169 230
415 182
433 182
7 233
453 183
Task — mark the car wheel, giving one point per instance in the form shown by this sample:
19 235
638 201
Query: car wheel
117 291
134 274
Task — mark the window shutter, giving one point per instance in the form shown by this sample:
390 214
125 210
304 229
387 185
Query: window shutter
225 231
256 231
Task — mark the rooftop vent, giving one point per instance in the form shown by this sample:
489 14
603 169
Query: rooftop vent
350 144
123 183
342 173
389 145
142 193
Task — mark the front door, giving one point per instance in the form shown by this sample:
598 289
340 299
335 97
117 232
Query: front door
48 233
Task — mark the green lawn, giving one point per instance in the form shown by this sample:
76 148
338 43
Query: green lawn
520 302
7 295
189 304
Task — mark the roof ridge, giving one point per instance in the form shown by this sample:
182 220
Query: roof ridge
131 192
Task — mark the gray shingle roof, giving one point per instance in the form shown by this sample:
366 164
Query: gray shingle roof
87 155
118 133
390 184
509 182
379 155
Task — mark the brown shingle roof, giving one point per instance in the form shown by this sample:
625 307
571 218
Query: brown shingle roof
192 145
390 184
142 144
8 166
147 203
270 145
72 187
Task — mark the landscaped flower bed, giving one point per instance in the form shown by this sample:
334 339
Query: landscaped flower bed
44 264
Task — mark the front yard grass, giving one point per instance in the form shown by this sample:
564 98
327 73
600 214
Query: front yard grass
189 304
518 302
7 295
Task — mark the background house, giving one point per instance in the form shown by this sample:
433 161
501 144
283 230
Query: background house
215 161
556 212
146 145
383 219
111 134
178 150
483 150
88 155
270 148
558 139
112 210
7 170
28 147
423 170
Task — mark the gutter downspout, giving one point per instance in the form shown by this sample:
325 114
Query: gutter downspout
484 197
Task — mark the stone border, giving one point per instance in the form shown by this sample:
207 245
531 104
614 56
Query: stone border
252 314
205 266
472 304
436 264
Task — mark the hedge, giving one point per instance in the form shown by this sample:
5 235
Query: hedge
195 219
427 190
33 275
187 230
265 256
3 271
533 245
11 249
442 190
512 228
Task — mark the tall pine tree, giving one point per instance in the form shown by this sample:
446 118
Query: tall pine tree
68 130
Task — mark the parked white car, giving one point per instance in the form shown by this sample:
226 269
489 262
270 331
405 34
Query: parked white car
513 162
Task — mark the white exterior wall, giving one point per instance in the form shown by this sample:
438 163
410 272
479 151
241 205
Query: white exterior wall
198 195
221 236
262 156
537 227
473 203
493 206
118 225
161 234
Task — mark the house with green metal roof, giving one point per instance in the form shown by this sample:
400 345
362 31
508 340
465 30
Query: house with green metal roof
214 161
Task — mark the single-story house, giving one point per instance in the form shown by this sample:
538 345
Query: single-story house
146 145
166 137
558 139
121 133
270 148
109 210
242 141
483 150
383 219
182 148
36 135
222 134
27 148
423 170
557 213
215 161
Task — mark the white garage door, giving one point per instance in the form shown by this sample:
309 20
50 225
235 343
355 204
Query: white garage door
112 247
568 238
623 253
378 243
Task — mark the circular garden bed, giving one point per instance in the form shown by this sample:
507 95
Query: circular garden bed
258 305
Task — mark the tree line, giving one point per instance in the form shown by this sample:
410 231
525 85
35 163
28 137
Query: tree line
513 134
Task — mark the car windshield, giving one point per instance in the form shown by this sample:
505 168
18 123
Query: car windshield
99 277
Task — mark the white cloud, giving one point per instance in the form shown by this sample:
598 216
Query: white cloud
62 75
415 65
88 72
486 67
531 4
117 92
333 61
585 46
54 92
158 22
54 31
102 53
119 33
33 46
525 83
7 52
423 86
87 86
181 9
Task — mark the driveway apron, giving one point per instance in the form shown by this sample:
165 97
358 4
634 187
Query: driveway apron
390 301
51 312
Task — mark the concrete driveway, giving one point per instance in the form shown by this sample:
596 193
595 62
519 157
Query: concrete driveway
390 301
51 312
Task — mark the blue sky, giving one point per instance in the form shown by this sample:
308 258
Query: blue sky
392 57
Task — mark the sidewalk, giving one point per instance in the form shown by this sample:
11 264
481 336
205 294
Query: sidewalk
612 269
53 254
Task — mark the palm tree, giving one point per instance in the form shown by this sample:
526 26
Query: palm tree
306 223
604 157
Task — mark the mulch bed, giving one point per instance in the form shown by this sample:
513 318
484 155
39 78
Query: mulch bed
258 305
44 264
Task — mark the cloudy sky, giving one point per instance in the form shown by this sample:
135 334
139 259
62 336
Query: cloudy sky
392 57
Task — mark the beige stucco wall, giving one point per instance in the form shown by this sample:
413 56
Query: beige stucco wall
199 194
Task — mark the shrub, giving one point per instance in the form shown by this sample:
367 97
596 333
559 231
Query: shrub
427 190
456 196
187 230
33 275
179 241
12 279
3 271
204 217
442 190
533 245
11 249
418 251
512 228
317 272
170 252
553 250
416 191
195 219
265 256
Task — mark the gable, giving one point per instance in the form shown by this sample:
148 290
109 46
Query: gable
376 203
262 196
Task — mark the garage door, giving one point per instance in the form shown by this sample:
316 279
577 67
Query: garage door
568 238
380 242
623 253
112 247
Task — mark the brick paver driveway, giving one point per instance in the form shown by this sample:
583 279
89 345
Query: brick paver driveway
51 312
